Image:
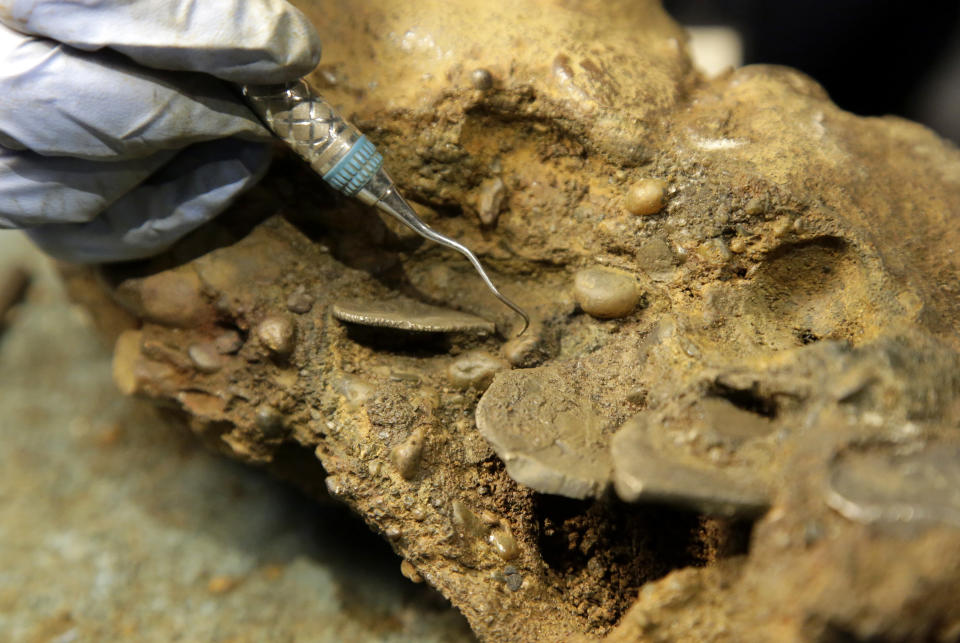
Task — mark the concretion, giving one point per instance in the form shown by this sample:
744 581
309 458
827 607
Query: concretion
793 341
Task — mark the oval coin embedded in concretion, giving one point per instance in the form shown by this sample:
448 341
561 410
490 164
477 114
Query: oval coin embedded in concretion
407 314
644 472
892 483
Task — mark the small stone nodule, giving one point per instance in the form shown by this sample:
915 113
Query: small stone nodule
205 357
512 578
605 293
475 369
406 456
269 420
520 351
335 486
504 544
465 521
481 79
492 193
410 572
228 342
646 196
300 301
173 298
278 334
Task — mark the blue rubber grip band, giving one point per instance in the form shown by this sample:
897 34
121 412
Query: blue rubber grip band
356 168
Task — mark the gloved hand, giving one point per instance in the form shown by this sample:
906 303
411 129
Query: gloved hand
112 145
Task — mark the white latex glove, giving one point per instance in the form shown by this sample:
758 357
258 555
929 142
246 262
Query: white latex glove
118 134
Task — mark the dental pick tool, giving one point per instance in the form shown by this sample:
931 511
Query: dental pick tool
346 159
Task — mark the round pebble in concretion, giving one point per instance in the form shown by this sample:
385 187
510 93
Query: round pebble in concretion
269 420
504 544
300 301
520 351
475 368
173 298
605 293
406 456
646 197
228 342
278 334
481 79
205 357
408 570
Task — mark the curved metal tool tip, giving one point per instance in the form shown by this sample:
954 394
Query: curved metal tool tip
462 249
506 300
392 203
519 311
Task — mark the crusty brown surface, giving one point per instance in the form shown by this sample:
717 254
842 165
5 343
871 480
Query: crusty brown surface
799 303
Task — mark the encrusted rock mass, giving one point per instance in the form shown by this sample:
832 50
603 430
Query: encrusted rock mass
742 426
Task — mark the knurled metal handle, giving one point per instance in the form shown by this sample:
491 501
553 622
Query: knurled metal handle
315 131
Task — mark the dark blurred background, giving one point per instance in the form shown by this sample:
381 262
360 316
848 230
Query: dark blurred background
873 56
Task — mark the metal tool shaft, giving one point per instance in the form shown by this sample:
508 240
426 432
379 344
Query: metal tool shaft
346 160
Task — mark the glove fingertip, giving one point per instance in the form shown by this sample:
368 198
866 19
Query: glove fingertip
287 48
